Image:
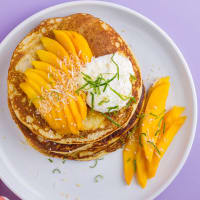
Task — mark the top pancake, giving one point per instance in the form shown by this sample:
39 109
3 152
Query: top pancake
102 40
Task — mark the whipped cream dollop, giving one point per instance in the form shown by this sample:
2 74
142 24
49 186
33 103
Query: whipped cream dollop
107 81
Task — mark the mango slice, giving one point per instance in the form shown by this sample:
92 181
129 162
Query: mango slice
129 157
82 107
54 47
66 42
51 71
43 66
75 112
153 116
32 75
52 59
164 143
141 169
35 98
172 115
81 45
71 122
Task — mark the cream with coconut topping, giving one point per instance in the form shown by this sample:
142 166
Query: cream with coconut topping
118 91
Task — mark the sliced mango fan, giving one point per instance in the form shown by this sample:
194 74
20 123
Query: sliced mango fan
50 85
149 141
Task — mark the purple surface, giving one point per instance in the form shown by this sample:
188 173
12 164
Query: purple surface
180 19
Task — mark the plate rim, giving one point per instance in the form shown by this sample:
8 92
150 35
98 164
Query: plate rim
168 39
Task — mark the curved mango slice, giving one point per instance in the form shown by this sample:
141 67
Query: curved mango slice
39 82
44 75
35 98
81 45
32 75
172 115
164 143
52 59
54 47
68 115
154 111
75 112
35 86
157 83
63 127
129 157
65 41
51 71
43 66
141 169
82 107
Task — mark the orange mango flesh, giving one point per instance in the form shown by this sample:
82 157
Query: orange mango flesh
170 124
35 99
173 122
54 47
65 41
60 55
80 43
141 169
129 157
153 114
51 59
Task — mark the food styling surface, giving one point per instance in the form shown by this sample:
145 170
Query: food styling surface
163 17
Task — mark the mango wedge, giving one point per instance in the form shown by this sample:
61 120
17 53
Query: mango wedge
34 86
35 98
66 42
52 59
32 75
163 144
172 115
54 47
129 157
43 66
154 111
141 169
82 107
49 69
157 83
75 112
32 94
71 122
81 45
44 75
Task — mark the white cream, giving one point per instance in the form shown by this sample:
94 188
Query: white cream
107 68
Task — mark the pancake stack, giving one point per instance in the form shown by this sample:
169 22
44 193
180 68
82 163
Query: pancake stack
99 136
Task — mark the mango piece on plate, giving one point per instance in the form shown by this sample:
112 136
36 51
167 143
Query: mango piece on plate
75 112
141 168
71 122
52 59
129 156
81 45
32 75
153 117
163 144
54 47
82 107
65 41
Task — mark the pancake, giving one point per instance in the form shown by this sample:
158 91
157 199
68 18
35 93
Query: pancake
80 151
103 40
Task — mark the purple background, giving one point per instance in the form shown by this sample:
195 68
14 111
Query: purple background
180 19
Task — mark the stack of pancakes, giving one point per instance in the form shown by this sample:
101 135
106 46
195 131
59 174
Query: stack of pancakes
100 136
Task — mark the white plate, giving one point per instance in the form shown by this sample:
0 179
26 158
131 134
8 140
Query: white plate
29 173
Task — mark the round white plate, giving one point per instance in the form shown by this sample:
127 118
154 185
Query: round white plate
29 173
